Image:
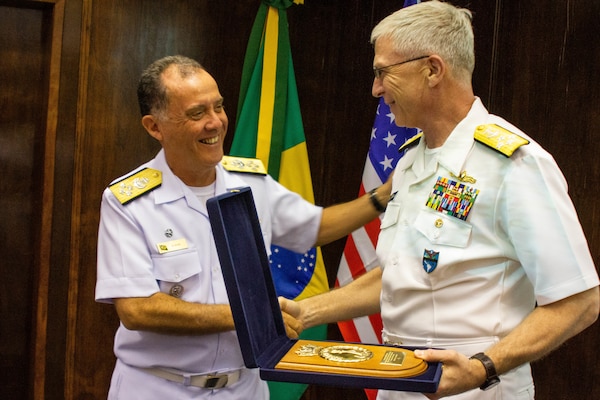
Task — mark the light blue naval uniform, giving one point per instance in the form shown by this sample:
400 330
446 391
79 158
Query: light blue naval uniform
464 278
130 265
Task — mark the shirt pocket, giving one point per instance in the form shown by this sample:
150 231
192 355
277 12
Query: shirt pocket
442 229
177 272
391 215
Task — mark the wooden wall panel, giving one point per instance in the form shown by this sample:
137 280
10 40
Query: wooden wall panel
21 138
546 83
30 64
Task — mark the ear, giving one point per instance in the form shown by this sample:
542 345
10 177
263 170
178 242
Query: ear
437 70
152 127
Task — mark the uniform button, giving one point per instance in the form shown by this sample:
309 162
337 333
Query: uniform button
177 276
439 223
176 291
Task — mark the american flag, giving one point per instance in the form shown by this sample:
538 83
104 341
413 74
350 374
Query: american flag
359 252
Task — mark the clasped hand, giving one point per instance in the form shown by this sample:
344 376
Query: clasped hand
290 312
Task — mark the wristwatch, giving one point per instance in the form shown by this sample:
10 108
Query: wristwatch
490 371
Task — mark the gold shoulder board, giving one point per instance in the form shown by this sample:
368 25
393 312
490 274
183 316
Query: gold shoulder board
133 186
499 139
242 164
413 141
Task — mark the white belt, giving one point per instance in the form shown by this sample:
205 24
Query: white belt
207 381
467 346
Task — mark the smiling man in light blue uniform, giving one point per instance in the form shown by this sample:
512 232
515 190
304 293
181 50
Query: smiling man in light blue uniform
157 260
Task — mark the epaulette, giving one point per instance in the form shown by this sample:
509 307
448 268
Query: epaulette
242 164
413 141
499 138
133 186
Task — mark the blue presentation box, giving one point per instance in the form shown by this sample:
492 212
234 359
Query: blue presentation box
256 312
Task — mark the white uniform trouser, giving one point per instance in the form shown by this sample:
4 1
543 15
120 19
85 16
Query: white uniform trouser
130 383
514 385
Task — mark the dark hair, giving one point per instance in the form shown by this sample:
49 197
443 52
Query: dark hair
152 95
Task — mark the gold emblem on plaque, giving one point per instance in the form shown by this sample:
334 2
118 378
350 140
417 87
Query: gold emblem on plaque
308 350
345 354
341 354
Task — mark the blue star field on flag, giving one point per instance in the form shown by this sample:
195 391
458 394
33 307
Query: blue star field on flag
386 139
292 271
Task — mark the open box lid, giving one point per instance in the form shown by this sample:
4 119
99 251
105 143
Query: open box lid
253 300
247 274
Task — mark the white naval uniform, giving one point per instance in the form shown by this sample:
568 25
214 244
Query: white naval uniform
130 265
520 244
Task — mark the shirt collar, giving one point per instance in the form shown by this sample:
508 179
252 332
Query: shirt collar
460 142
173 188
457 147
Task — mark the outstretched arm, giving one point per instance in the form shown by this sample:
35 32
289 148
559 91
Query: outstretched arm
358 298
166 314
546 328
341 219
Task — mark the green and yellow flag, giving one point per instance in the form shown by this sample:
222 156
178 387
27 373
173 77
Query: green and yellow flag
269 127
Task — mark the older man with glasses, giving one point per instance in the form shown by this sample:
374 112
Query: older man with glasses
483 259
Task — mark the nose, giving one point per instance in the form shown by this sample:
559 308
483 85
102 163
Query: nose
216 120
377 88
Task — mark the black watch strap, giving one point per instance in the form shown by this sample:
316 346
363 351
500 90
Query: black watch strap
373 197
492 378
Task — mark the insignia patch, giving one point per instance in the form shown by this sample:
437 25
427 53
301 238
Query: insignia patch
430 260
452 198
499 139
133 186
463 177
241 164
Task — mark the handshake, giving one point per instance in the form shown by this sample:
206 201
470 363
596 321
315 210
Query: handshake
291 313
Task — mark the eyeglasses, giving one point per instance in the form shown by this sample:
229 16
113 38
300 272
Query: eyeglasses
378 71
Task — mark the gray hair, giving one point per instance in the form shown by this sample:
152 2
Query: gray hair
432 27
151 91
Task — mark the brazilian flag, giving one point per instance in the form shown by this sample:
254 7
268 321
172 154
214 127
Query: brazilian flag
269 127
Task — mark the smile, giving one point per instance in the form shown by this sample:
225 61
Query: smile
212 140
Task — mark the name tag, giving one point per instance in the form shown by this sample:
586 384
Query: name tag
172 245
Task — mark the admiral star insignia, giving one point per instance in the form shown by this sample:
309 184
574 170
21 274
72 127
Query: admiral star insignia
133 186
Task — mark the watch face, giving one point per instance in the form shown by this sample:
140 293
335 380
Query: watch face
490 383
